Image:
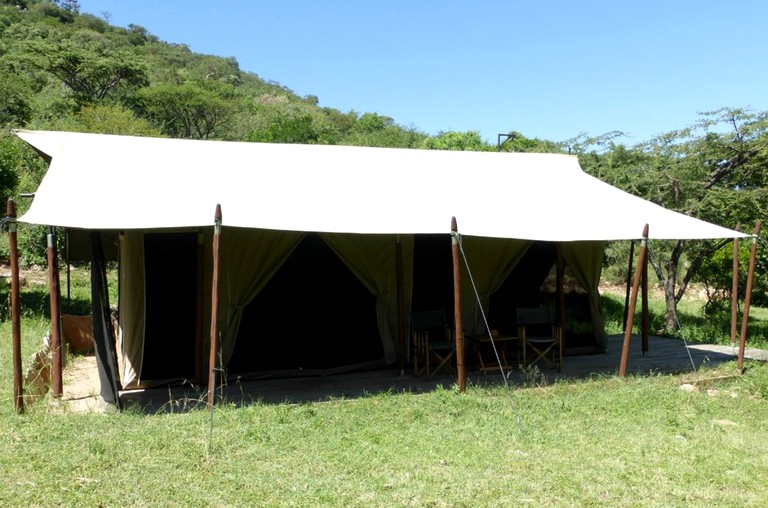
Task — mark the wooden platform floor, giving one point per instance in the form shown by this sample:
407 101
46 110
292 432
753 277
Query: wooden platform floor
663 356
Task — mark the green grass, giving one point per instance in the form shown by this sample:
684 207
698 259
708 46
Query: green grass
639 441
607 442
696 325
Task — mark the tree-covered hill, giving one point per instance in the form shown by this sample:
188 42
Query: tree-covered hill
65 70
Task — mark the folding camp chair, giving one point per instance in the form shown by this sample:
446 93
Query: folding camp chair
540 337
433 343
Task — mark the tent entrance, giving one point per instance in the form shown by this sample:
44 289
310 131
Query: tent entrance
433 274
532 283
313 314
171 285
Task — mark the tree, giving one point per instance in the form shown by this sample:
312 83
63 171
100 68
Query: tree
15 108
104 119
190 110
87 62
516 142
372 129
714 170
716 274
10 159
297 129
453 140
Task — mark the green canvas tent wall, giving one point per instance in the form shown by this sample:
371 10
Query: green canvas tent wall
362 203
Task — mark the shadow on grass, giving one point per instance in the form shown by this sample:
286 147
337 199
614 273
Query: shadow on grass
36 302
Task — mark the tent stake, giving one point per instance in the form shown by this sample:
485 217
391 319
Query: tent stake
18 394
735 287
458 322
633 302
214 308
54 291
748 298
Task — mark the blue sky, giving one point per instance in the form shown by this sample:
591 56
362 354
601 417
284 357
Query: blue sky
550 69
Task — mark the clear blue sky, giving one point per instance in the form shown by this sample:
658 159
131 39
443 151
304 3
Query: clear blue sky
548 68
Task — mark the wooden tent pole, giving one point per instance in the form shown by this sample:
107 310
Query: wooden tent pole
18 393
748 297
459 325
560 294
735 287
644 316
400 304
214 346
633 303
54 289
69 270
629 281
199 305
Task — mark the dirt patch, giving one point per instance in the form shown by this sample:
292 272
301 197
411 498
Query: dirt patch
81 386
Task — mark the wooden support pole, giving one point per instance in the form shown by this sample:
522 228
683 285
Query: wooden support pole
629 281
68 271
735 287
214 346
459 325
54 289
633 303
402 350
644 316
560 294
18 387
748 297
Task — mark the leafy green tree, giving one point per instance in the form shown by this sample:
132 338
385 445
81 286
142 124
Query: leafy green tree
372 129
716 274
10 159
87 62
104 119
15 107
453 140
288 130
516 142
189 110
714 170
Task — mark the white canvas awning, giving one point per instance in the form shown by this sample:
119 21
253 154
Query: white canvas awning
123 182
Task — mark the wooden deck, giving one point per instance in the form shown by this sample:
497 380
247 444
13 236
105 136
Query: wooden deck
664 356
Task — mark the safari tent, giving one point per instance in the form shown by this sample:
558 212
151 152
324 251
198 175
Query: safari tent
324 249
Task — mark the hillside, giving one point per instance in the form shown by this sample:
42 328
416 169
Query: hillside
71 71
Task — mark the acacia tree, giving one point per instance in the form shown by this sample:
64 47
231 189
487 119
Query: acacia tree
714 170
87 62
190 110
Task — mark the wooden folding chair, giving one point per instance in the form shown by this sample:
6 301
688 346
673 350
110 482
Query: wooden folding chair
433 345
540 337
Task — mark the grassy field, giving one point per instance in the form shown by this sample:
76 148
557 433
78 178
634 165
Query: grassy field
639 441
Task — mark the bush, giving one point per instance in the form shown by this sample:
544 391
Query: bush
717 276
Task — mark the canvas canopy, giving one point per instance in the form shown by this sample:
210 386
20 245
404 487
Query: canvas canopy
124 182
363 202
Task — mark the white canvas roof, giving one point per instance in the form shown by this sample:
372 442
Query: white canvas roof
123 182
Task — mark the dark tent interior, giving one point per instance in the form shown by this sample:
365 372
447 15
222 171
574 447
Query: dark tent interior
315 314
